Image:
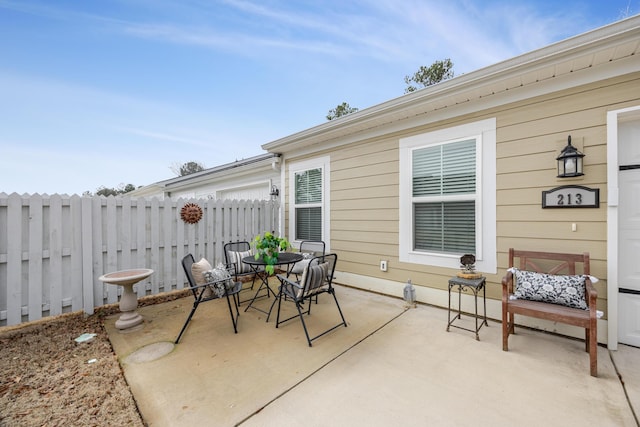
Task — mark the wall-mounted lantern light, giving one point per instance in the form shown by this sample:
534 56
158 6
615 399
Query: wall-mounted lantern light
569 161
274 192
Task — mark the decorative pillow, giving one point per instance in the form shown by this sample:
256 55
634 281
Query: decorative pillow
220 278
198 269
298 267
556 289
314 276
236 258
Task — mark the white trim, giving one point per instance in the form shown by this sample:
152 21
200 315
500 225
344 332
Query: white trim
613 118
283 196
486 258
324 163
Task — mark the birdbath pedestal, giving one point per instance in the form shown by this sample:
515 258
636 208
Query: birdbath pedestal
129 300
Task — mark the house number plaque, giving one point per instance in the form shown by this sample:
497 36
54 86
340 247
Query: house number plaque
571 196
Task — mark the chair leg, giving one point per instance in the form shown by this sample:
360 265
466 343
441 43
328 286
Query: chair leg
593 350
304 325
234 319
512 323
344 322
193 310
278 315
236 300
505 329
277 298
302 312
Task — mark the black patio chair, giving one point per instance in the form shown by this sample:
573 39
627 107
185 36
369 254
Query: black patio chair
317 278
310 249
205 292
233 254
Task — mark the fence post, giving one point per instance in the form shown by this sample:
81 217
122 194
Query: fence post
88 279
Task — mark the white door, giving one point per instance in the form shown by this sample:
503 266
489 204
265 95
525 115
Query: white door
629 234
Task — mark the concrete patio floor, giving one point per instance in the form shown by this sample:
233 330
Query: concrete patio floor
390 367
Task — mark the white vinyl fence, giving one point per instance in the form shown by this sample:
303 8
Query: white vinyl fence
54 248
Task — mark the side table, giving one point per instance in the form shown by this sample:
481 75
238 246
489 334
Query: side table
475 285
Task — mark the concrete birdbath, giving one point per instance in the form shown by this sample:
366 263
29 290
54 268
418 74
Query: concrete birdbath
129 300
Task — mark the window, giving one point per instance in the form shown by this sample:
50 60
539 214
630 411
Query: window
308 207
443 197
308 204
447 196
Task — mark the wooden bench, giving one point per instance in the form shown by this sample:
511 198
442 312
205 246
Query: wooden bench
551 263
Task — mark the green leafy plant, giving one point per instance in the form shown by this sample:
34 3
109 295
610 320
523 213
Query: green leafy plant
267 247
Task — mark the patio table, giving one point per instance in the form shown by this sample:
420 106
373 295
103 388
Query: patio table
284 258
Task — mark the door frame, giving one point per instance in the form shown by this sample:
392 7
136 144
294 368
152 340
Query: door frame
613 118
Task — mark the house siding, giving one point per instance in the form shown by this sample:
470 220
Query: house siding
530 134
534 102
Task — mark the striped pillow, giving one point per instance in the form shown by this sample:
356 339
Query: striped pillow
313 277
236 258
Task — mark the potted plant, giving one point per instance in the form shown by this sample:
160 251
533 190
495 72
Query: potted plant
267 247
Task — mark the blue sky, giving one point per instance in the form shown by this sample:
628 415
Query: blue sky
104 93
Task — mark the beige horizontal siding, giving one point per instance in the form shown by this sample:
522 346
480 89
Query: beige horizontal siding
356 224
596 231
529 139
379 180
381 205
581 107
536 218
530 134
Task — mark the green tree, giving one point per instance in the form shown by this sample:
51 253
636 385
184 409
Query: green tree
427 76
341 110
105 191
187 168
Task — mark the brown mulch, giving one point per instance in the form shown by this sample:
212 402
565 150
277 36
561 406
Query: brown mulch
48 379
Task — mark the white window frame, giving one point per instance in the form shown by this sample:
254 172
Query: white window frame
322 163
484 132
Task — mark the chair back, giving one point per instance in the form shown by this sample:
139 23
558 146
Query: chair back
312 247
233 254
316 247
187 262
550 262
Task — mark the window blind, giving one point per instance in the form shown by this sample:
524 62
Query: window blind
309 186
445 169
308 191
445 227
309 223
441 171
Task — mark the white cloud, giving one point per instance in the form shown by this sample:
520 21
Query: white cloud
183 80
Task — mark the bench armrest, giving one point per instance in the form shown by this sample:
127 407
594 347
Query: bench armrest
507 286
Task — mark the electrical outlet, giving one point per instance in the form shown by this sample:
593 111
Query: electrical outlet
383 265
